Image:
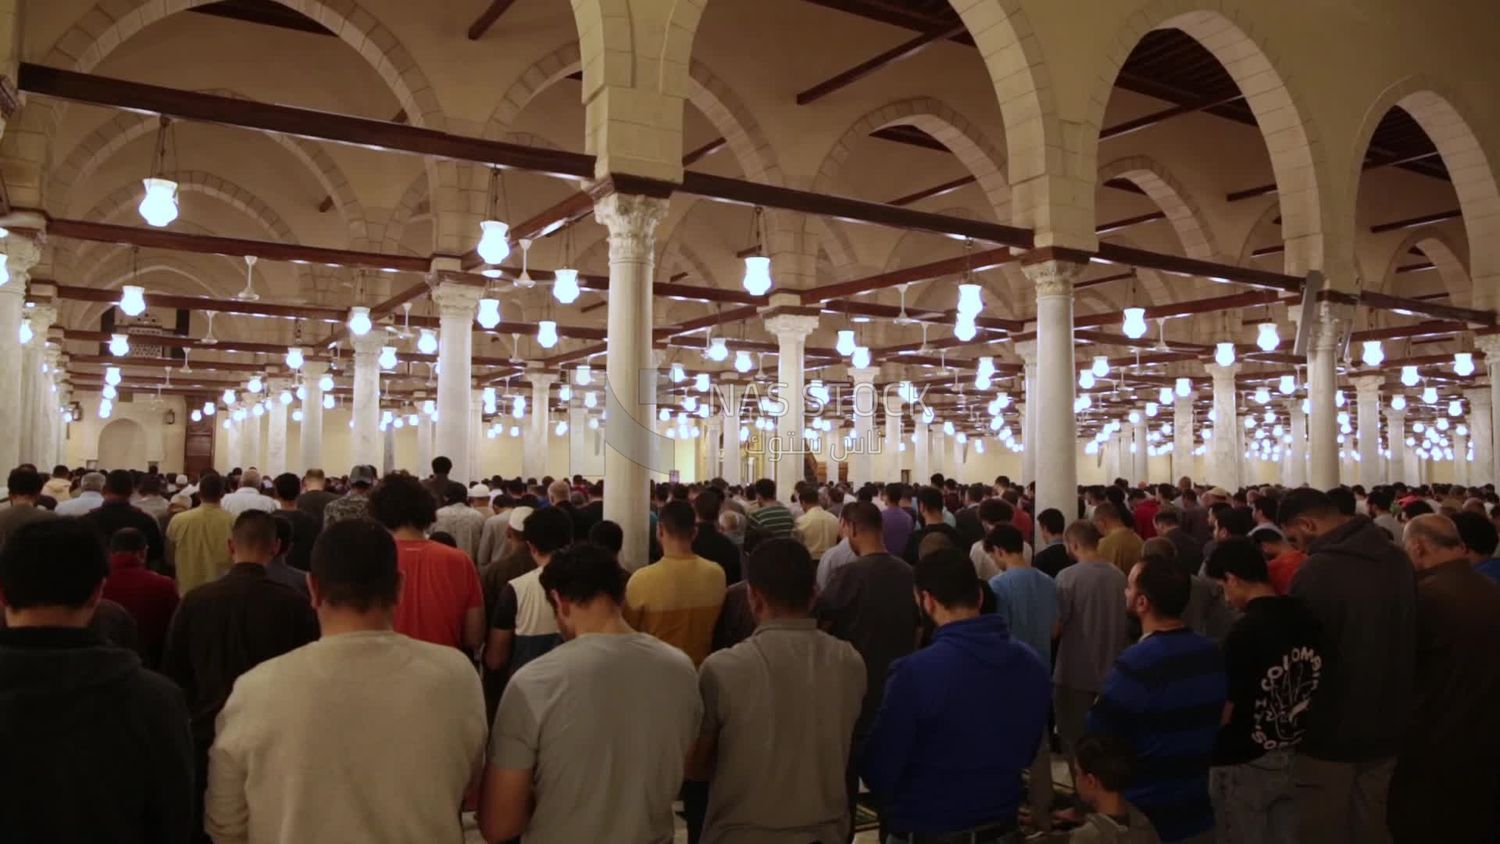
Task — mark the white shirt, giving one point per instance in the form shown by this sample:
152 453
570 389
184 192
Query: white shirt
85 502
244 499
367 736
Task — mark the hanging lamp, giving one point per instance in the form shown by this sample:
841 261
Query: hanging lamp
757 279
494 243
159 206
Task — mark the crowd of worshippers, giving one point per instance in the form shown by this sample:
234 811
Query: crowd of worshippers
312 659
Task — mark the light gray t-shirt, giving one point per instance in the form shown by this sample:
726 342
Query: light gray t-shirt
1091 612
783 705
605 722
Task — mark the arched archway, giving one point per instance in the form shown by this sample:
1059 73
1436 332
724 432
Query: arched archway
122 442
1181 208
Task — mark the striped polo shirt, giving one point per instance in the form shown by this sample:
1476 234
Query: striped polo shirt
1165 695
677 600
775 519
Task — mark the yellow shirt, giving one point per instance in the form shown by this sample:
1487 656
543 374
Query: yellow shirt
198 545
677 600
1122 547
818 530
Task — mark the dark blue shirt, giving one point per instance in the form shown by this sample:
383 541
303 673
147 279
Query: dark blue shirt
960 720
1165 695
1490 568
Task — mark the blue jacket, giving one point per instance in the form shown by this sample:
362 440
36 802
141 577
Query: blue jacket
960 720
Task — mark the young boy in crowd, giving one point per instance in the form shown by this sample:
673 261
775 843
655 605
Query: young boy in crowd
1101 770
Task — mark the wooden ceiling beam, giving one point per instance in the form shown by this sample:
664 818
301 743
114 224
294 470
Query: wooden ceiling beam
1402 332
1423 307
696 155
1212 304
1417 222
487 18
1262 190
1127 127
900 52
973 262
1113 253
204 303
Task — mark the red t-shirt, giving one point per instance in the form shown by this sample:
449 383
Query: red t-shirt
1145 518
1283 569
439 585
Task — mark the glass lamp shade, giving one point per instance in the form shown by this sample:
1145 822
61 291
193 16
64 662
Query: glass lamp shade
590 400
564 392
1184 387
1086 380
494 246
1398 402
328 401
295 358
677 374
26 332
717 351
159 206
1134 326
1151 408
700 382
209 408
518 407
845 345
427 342
1463 364
196 415
861 357
1100 367
106 407
325 383
970 304
253 385
387 359
109 391
1455 408
742 361
1287 385
948 428
488 315
1429 395
133 300
1409 376
285 397
965 329
562 428
1373 354
757 279
583 375
565 288
359 321
664 415
546 333
258 410
1262 395
1267 338
1224 354
119 345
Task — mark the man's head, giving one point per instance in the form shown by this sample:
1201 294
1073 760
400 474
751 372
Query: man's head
607 535
1004 544
250 480
253 539
557 492
765 489
149 485
354 568
1271 541
287 487
582 579
1241 565
1101 767
1108 516
1157 590
782 579
1478 534
60 471
400 501
546 532
362 477
1343 499
995 511
479 496
894 492
454 493
1432 540
441 466
1378 502
515 522
1307 514
931 501
706 506
808 497
24 485
1265 509
118 484
51 573
314 480
131 543
1051 523
1166 520
1082 540
860 523
946 585
211 488
676 525
975 493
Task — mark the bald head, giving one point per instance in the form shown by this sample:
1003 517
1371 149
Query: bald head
1432 540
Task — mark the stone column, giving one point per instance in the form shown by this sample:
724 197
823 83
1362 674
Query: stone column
535 457
1141 468
713 429
578 426
424 442
276 428
1460 459
365 447
1490 345
252 438
937 451
312 414
921 440
629 441
49 418
1182 437
1054 437
1296 450
891 465
457 305
833 449
36 384
1224 453
1395 427
866 402
733 449
1367 399
956 464
791 330
234 439
1322 422
1026 411
475 415
1482 434
21 254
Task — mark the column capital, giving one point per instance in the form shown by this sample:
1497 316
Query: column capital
864 374
42 316
1366 385
21 254
1222 373
791 327
1478 397
631 219
314 369
541 376
276 385
456 300
1327 331
1490 345
1026 349
1395 416
1053 276
369 343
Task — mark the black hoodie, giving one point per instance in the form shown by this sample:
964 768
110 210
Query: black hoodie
96 748
1362 589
